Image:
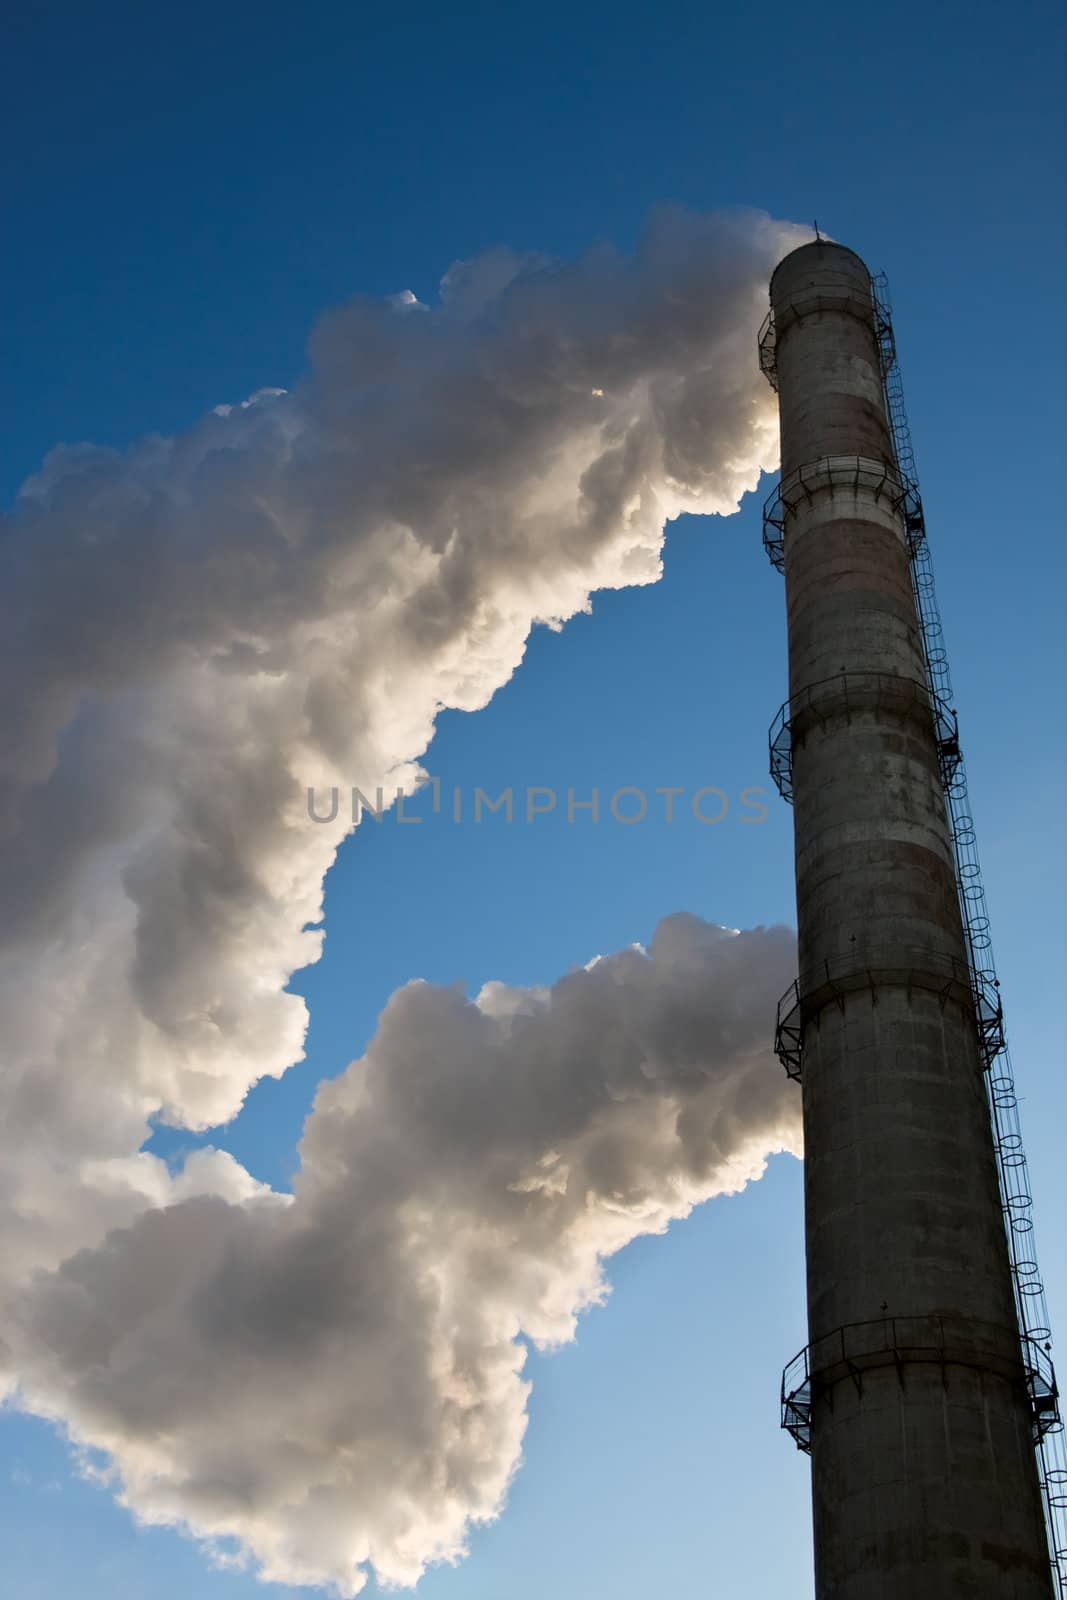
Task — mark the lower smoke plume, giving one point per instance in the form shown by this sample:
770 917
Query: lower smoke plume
194 632
336 1380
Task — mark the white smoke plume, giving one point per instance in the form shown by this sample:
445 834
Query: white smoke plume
337 1381
194 632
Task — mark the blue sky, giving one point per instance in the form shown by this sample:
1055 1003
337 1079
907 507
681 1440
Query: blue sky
189 193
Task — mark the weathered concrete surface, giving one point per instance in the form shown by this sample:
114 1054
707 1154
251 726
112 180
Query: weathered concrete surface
923 1470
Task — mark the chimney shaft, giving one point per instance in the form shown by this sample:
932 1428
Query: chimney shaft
924 1478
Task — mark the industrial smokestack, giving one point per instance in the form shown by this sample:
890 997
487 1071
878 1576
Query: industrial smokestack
917 1396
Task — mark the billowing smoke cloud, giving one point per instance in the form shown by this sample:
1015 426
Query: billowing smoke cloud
337 1380
195 631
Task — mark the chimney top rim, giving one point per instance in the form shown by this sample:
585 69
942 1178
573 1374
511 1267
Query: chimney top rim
820 245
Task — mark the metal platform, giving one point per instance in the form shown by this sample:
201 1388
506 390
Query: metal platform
863 1347
868 970
850 693
855 475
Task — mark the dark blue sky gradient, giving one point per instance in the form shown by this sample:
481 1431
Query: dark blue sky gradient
190 188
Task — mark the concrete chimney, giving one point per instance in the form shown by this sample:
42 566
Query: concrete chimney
916 1393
